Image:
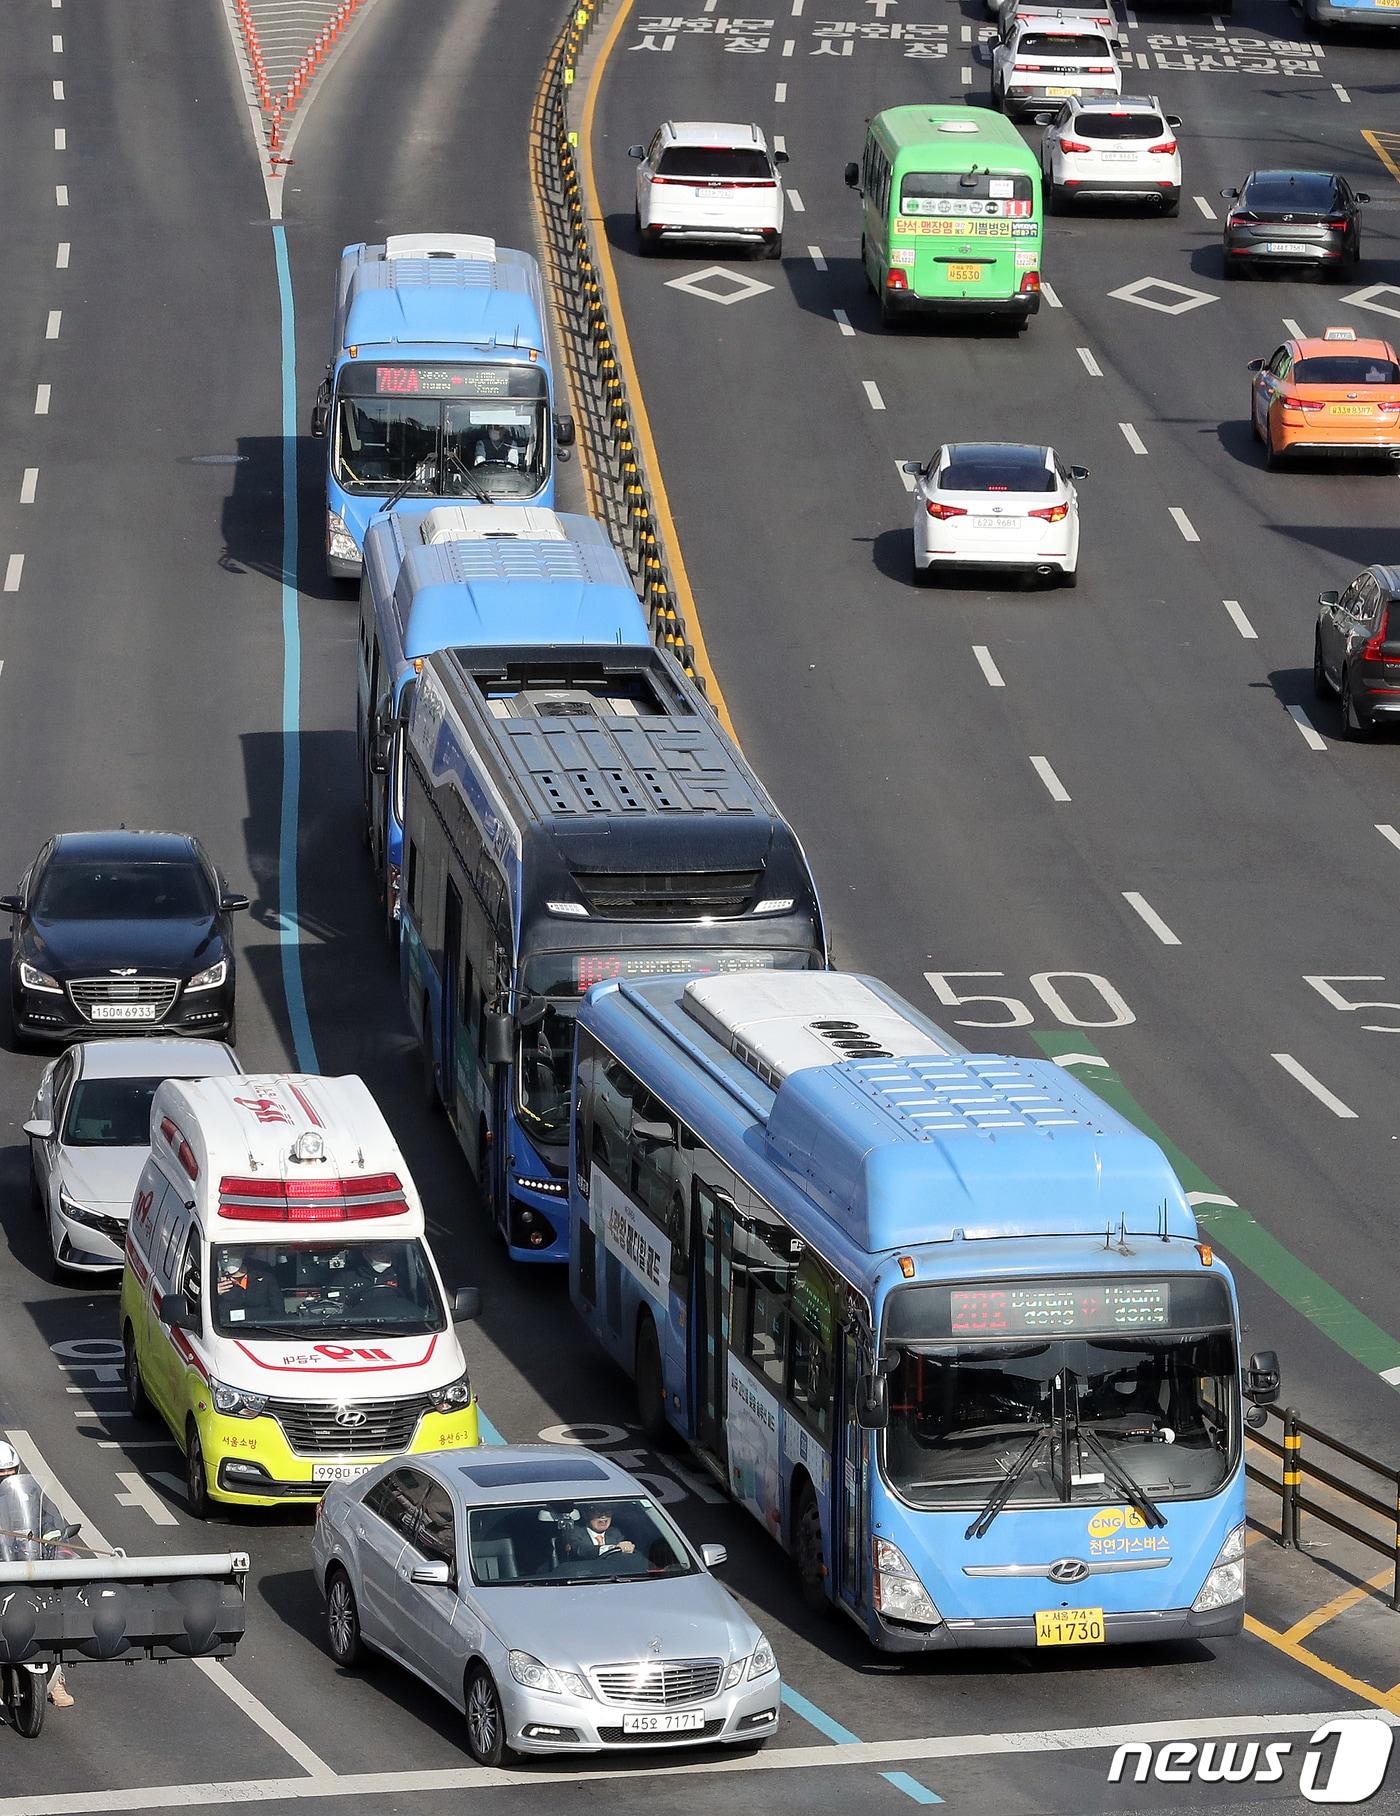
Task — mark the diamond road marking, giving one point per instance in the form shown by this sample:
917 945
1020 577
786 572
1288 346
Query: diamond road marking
1186 299
696 281
1366 299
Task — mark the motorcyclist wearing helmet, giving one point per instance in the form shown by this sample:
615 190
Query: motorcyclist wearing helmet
11 1469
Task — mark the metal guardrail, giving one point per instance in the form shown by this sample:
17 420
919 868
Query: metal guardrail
620 491
1298 1471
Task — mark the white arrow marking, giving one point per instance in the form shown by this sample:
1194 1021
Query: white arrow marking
139 1493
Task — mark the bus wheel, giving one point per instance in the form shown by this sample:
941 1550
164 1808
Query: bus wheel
651 1389
807 1551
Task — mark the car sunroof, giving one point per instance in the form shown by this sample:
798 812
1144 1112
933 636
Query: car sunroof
524 1475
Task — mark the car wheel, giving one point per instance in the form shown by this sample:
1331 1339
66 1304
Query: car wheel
647 241
651 1387
486 1722
1273 457
196 1481
1321 690
343 1621
807 1552
772 249
136 1402
1353 725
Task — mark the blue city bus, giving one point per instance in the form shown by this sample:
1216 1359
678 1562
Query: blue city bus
438 575
439 384
942 1322
570 815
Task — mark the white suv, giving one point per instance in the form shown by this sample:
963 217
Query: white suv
1052 62
1126 148
1097 15
702 180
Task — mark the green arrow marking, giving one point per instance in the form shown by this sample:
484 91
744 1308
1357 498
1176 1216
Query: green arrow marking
1235 1229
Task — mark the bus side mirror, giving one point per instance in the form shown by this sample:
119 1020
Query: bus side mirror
466 1304
853 176
498 1038
381 736
321 409
1261 1379
564 431
176 1313
872 1402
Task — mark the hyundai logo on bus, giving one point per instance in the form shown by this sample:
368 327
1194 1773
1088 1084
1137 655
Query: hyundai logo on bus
1344 1762
1067 1570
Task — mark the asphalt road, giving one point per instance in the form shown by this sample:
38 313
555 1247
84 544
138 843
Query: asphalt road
142 680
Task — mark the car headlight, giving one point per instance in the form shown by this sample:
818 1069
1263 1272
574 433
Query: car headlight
452 1396
210 979
763 1660
1225 1579
898 1592
234 1402
34 979
340 544
533 1675
76 1213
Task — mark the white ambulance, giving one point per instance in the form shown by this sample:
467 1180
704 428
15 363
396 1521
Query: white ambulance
280 1308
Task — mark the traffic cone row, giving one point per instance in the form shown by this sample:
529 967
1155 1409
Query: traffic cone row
277 104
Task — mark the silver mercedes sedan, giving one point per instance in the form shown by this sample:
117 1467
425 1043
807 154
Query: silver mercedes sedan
548 1596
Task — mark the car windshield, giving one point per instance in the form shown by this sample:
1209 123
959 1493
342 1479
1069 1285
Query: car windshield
1118 126
704 164
122 891
991 471
443 449
1064 44
1305 194
573 1542
324 1289
110 1113
1331 369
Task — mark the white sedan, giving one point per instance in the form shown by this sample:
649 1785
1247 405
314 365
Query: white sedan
996 504
90 1134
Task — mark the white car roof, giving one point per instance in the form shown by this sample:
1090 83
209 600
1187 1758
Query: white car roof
160 1058
713 133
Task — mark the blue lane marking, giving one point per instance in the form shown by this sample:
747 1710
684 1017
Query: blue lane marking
910 1787
288 918
819 1719
489 1434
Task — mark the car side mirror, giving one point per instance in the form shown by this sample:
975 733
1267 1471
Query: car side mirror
780 157
564 431
232 902
499 1037
1329 600
853 176
1230 195
1043 119
437 1574
872 1402
915 467
39 1130
1362 196
712 1556
1255 365
176 1313
12 904
466 1304
1262 1381
1173 120
1079 472
636 151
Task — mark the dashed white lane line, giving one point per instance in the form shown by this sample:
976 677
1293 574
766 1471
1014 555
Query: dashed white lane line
58 91
1091 365
965 75
872 392
1054 786
1305 725
817 257
1141 906
61 262
2 666
1391 1376
29 485
1183 523
797 6
779 142
987 665
1389 832
1341 93
905 479
1050 295
789 46
1238 619
57 44
1205 208
139 1493
843 321
1133 439
779 94
795 202
1315 1085
60 195
966 34
14 573
60 138
53 324
1292 327
42 394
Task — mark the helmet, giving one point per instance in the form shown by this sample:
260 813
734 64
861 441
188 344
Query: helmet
9 1457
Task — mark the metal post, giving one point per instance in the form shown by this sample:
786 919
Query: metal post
1292 1477
1395 1580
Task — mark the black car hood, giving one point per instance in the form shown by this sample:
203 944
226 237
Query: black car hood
70 949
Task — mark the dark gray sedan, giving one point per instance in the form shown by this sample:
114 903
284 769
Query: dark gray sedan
1356 650
548 1596
1299 219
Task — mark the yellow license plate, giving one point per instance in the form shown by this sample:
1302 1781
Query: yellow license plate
1069 1627
1075 91
965 274
1388 2
1353 409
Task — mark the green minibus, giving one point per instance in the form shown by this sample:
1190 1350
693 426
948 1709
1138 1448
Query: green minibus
950 200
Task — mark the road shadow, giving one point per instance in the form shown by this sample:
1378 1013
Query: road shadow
251 518
1353 547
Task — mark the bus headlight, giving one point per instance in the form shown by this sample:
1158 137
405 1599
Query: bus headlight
235 1403
898 1592
1225 1580
340 544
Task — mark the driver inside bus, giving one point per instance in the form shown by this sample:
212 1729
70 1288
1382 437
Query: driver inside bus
496 446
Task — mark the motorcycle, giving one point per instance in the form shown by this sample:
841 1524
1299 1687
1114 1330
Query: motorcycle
32 1530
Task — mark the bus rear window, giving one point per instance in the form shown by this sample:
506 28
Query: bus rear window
964 192
723 164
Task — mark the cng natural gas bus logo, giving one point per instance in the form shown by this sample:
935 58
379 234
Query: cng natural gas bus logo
1344 1762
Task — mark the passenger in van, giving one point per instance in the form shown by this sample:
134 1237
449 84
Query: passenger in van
245 1286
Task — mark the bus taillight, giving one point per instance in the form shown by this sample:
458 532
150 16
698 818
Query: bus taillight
895 279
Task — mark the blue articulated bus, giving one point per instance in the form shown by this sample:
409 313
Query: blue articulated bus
942 1322
439 384
439 575
570 815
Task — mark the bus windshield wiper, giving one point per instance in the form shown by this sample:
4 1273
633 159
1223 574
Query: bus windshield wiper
400 491
1123 1480
1004 1490
474 486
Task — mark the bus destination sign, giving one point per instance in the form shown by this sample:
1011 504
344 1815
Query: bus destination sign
1080 1306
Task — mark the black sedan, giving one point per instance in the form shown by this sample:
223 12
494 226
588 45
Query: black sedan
1295 218
118 932
1356 650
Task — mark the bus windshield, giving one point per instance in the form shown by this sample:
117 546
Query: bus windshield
450 431
1159 1403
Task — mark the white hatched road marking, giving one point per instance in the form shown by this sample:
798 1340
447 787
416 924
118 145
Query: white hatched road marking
1389 832
1315 1085
1054 786
987 665
1141 906
1183 523
872 392
1311 737
1133 439
1238 619
1091 365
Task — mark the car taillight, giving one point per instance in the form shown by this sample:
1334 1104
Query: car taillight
1074 145
1290 402
1025 69
1241 218
1388 409
1053 513
1371 648
895 279
944 511
1030 283
1336 226
1100 69
1167 146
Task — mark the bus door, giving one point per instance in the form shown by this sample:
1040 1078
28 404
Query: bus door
849 1497
451 977
711 1240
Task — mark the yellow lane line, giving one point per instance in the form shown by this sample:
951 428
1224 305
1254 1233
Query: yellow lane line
1373 139
1339 1604
1389 1700
623 346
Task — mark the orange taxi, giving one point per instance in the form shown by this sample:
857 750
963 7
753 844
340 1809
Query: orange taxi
1328 394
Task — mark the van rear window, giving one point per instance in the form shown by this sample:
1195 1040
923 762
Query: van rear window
980 192
700 164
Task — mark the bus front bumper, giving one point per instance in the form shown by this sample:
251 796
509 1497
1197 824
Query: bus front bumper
1139 1627
249 1463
